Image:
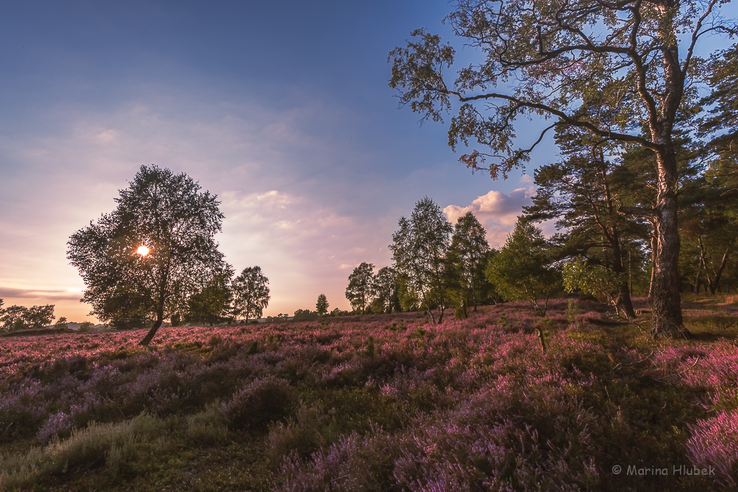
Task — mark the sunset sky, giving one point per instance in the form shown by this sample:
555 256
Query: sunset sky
281 108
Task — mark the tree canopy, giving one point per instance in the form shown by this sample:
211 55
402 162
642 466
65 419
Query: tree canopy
321 306
521 269
168 214
250 293
360 288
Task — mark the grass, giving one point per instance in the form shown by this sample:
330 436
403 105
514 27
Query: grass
384 402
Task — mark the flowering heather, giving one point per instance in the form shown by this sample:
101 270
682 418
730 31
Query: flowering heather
384 402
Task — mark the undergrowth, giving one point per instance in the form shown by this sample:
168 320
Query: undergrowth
377 403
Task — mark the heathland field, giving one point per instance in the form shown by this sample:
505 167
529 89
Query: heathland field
385 402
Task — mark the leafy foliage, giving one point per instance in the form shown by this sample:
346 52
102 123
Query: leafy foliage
469 248
520 270
213 303
19 317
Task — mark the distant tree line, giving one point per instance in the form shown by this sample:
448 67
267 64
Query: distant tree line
19 317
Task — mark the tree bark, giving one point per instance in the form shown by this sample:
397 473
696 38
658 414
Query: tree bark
666 319
152 332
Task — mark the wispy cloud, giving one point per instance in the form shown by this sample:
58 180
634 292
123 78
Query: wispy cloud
54 294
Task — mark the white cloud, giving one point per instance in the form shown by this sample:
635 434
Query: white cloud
497 211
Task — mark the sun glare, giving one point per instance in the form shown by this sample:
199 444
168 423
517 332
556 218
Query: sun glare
142 250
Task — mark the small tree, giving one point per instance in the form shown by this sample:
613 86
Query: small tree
321 307
13 318
419 251
213 303
385 288
594 280
361 286
520 269
40 316
250 293
155 250
469 246
305 314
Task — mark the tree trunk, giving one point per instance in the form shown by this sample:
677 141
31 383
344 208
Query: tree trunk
152 332
696 286
623 300
719 272
666 318
653 262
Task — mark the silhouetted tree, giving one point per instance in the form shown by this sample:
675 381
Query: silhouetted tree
250 293
168 214
321 307
360 288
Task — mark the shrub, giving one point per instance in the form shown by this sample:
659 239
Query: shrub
302 435
207 428
113 444
260 401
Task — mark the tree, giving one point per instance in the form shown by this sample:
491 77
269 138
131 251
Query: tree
21 317
321 307
596 280
153 252
419 251
213 303
624 72
469 245
584 194
521 270
305 314
385 288
250 293
361 286
721 120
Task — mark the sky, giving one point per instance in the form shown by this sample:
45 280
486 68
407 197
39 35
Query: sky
280 108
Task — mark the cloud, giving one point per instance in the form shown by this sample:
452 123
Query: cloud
497 211
52 294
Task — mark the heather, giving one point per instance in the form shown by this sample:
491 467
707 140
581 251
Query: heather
377 402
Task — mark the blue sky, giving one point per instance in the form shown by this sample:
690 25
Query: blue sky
280 108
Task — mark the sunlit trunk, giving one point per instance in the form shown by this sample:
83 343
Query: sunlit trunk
666 319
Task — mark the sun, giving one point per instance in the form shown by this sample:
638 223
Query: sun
142 250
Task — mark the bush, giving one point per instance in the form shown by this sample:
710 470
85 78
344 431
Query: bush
260 401
112 444
303 435
207 428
